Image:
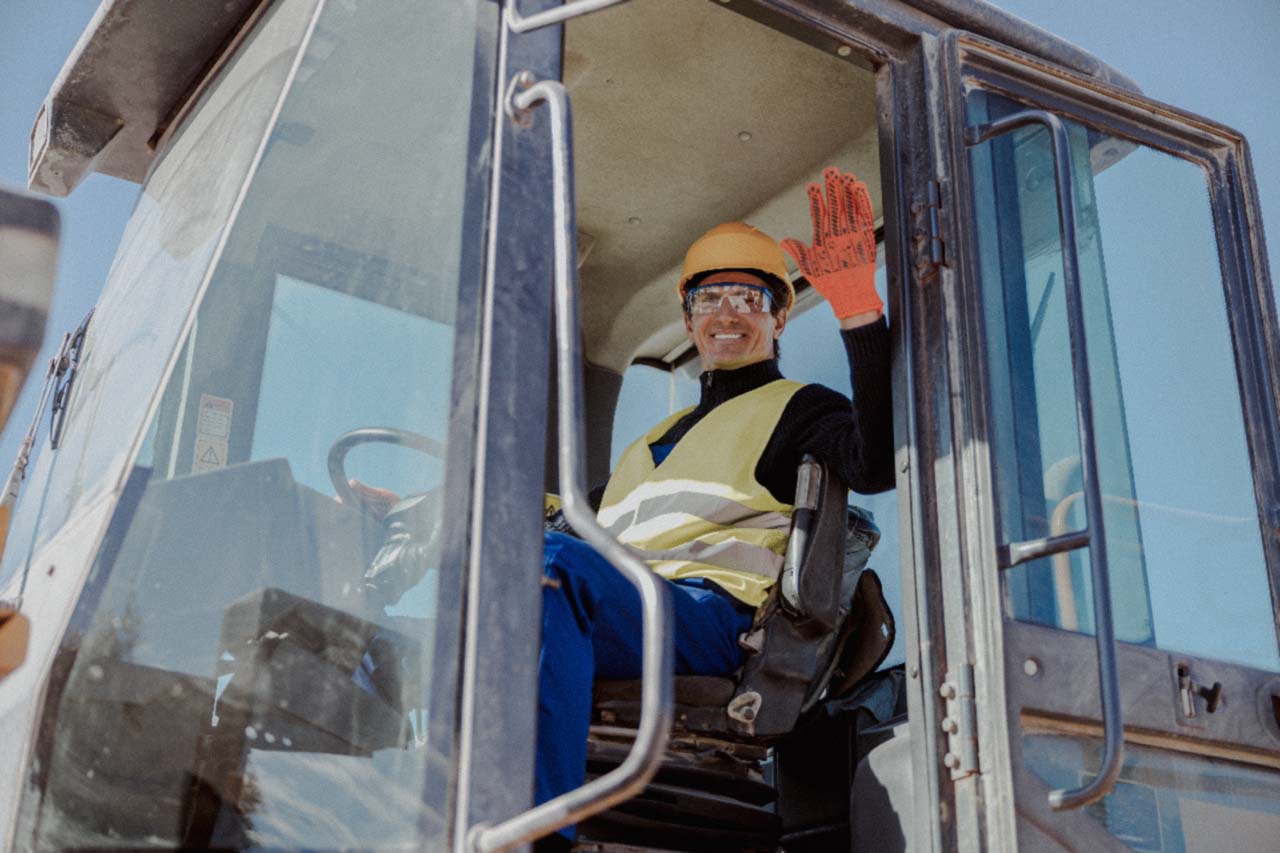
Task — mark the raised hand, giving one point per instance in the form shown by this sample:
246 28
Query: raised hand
841 263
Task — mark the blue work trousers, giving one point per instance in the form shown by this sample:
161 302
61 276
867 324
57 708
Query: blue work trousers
591 628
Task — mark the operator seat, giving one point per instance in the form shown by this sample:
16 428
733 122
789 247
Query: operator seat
823 629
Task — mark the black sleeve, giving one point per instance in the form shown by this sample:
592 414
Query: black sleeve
853 438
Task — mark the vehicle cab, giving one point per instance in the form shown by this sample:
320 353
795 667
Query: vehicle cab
432 248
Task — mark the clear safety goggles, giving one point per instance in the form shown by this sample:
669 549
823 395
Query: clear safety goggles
743 298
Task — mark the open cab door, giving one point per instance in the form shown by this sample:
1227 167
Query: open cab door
1119 557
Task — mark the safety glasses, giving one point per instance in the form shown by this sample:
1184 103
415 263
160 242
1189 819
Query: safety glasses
743 298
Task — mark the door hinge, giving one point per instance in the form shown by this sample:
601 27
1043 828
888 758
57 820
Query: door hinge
929 247
960 723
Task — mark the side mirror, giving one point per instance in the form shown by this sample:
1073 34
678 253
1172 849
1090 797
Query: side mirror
28 263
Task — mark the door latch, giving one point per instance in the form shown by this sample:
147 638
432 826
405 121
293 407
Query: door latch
1190 693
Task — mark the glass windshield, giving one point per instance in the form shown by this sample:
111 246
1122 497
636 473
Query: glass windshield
179 220
300 366
262 658
1188 572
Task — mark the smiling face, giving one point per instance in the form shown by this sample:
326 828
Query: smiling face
726 339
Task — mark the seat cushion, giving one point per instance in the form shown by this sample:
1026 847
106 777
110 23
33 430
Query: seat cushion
696 691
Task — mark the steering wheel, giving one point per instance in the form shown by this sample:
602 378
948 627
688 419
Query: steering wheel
337 458
413 525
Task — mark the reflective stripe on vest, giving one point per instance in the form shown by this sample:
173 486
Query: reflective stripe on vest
701 513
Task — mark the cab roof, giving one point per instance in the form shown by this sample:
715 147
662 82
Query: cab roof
139 61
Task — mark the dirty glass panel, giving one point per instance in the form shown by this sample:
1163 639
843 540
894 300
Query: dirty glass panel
264 660
180 216
1167 801
1183 530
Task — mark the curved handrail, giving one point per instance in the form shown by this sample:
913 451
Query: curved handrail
519 24
1095 534
629 778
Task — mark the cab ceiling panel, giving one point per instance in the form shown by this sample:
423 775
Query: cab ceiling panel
687 115
133 68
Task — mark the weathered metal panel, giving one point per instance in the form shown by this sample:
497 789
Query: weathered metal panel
134 67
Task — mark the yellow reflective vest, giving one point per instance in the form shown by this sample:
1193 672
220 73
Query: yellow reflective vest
701 513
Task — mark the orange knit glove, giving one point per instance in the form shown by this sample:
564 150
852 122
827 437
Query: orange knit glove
841 263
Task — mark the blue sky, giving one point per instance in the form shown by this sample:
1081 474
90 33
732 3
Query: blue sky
35 39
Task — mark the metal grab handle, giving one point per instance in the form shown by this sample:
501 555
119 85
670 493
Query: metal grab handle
559 14
629 778
1094 534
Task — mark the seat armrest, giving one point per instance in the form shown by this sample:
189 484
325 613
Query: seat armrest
814 564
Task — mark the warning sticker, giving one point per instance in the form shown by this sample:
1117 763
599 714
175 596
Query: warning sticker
211 454
213 430
215 417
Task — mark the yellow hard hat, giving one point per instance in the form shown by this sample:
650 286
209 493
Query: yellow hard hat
736 246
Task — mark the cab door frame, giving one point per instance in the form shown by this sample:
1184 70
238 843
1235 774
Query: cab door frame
894 38
1014 812
502 600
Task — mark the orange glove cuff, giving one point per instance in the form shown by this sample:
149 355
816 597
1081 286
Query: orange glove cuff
850 291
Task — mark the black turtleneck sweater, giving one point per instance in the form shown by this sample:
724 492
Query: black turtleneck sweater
852 438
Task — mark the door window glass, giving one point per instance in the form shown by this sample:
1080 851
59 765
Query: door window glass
263 658
647 396
1167 801
1183 529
